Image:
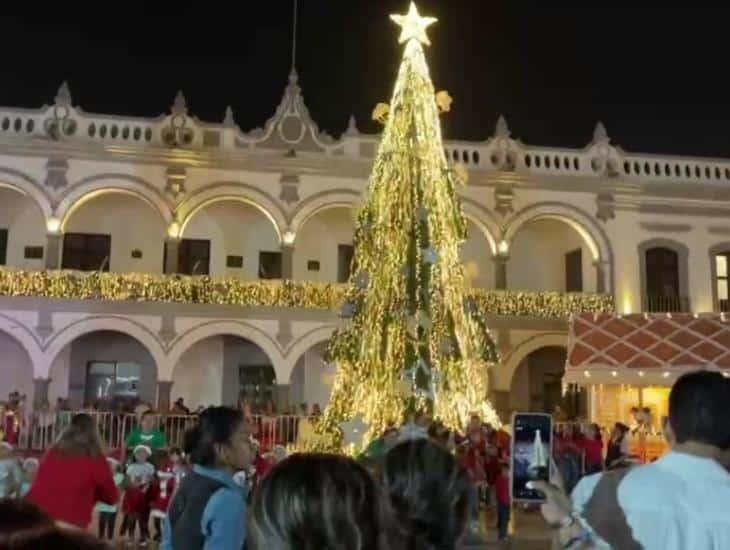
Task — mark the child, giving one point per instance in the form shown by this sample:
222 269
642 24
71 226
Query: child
30 467
11 476
160 497
136 505
108 512
503 501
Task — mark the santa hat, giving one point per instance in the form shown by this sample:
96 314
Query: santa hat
144 448
5 445
113 462
164 475
28 462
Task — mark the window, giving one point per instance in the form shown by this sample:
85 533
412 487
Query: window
194 257
574 271
234 262
662 280
33 253
3 246
345 255
312 265
721 280
86 251
109 380
269 265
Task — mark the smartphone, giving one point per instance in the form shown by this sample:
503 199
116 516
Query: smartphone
532 448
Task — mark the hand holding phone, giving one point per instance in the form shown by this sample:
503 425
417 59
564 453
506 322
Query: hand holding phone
531 454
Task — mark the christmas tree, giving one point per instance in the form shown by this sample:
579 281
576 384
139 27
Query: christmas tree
412 340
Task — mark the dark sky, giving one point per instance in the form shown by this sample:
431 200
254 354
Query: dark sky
656 75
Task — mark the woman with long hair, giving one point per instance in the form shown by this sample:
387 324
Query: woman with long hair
74 475
429 496
208 510
617 451
317 502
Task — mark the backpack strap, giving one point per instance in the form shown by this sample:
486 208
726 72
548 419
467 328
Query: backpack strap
605 515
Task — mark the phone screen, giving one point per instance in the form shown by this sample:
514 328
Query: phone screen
531 451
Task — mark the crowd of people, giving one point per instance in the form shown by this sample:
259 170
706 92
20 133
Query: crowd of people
418 486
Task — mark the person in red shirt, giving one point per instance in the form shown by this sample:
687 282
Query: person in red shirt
74 475
504 503
592 446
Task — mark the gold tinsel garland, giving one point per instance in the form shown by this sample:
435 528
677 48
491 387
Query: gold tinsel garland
140 287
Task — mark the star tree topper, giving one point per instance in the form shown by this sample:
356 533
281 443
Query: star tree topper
413 26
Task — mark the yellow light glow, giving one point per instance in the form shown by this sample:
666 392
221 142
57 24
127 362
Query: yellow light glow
666 374
413 26
289 237
641 373
614 373
503 248
53 225
173 230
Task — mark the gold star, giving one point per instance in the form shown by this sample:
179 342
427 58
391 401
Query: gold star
413 25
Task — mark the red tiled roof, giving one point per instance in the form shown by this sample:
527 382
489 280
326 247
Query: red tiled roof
646 341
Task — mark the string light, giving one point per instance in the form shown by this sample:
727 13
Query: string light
75 285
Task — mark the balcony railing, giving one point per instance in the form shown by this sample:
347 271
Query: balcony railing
73 285
666 304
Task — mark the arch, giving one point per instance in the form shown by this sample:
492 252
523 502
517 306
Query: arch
232 191
89 188
244 330
333 198
505 372
682 251
24 184
24 336
719 248
139 332
592 234
308 340
484 220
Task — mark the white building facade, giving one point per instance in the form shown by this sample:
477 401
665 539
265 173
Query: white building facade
552 231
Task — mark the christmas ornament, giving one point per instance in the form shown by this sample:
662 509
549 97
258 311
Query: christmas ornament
353 431
444 101
430 255
380 113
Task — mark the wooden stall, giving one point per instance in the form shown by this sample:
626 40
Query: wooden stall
628 363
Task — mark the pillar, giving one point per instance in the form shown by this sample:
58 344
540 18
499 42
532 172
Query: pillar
53 250
600 277
164 389
40 392
287 261
172 249
500 273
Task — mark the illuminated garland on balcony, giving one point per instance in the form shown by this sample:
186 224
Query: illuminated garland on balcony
73 285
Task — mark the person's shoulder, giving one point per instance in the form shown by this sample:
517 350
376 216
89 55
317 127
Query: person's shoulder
227 500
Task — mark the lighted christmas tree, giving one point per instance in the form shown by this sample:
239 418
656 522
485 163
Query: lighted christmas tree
412 340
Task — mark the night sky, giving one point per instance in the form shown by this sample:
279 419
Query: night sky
656 75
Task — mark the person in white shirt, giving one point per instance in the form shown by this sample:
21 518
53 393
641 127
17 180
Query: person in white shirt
680 501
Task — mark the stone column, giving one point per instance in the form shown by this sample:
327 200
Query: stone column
287 261
53 250
172 248
500 272
600 276
164 389
40 392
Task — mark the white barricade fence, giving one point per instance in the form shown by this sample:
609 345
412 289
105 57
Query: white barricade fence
40 429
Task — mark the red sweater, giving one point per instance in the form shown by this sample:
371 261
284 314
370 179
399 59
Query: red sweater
68 487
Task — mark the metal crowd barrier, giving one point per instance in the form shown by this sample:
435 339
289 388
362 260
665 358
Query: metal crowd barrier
39 430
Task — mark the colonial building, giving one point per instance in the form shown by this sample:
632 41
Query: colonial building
263 221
